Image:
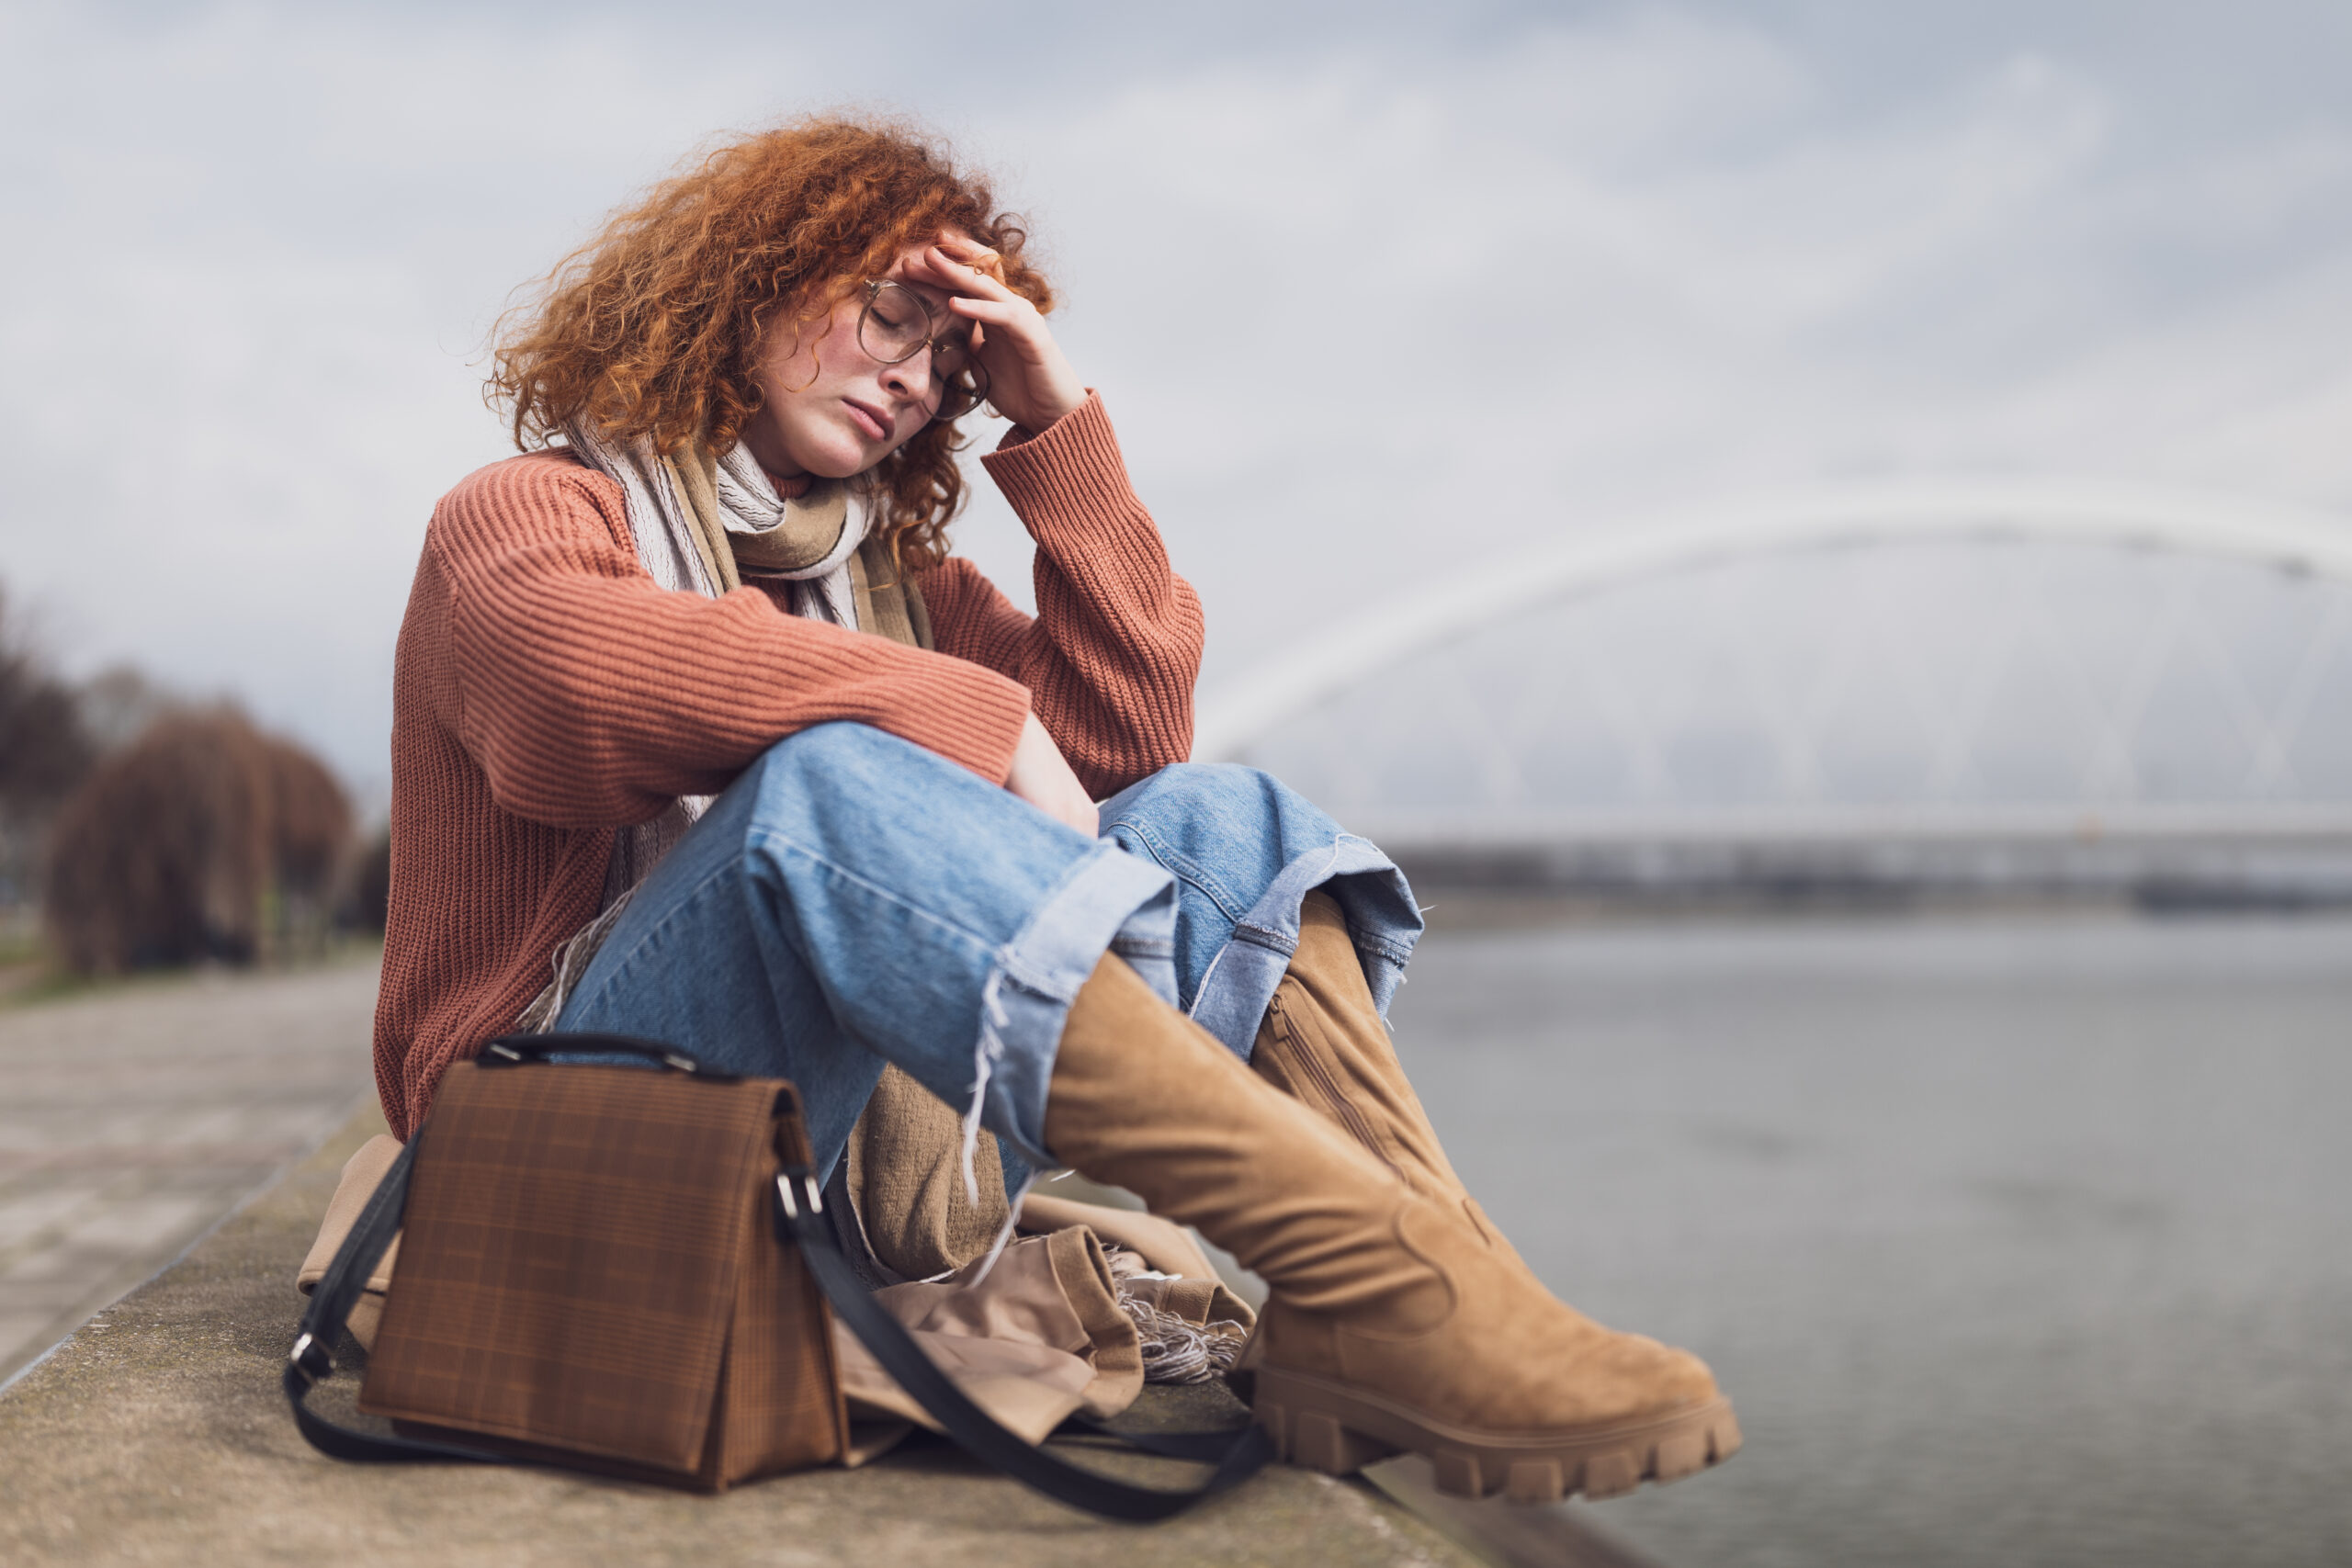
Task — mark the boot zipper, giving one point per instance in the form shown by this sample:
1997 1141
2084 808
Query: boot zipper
1311 1060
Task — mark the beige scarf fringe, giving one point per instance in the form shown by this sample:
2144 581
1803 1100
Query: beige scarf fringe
1178 1350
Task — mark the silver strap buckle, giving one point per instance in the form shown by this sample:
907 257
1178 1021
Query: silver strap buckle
784 1184
310 1359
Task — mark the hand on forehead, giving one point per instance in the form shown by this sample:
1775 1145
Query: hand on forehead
945 266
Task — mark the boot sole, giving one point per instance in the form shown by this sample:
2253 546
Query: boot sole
1337 1429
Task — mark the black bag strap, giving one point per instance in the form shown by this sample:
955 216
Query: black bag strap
800 1216
801 1222
1202 1448
310 1362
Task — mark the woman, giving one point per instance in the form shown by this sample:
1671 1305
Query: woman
695 714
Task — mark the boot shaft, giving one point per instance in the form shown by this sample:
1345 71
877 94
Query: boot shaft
1142 1098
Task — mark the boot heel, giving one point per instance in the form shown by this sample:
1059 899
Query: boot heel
1318 1441
1323 1444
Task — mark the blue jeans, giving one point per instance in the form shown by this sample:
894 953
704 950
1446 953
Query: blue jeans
853 899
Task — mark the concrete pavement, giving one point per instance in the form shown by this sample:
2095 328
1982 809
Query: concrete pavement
133 1117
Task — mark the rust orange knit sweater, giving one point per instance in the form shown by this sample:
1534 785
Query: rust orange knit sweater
546 692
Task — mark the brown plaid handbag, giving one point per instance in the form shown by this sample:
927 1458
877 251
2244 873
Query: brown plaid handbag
629 1272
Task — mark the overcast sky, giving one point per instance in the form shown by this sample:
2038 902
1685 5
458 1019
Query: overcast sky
1373 297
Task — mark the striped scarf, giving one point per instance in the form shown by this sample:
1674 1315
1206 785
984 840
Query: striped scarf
702 522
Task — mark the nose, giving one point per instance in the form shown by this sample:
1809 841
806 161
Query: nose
911 379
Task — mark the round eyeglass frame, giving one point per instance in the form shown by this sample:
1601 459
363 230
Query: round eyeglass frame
954 393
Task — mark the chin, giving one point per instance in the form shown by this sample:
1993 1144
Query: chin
841 458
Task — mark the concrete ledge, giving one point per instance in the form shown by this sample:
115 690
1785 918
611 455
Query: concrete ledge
157 1433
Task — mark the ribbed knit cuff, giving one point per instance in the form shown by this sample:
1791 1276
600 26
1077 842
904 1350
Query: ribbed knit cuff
1020 434
969 713
1070 474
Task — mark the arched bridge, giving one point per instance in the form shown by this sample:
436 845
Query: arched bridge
2032 664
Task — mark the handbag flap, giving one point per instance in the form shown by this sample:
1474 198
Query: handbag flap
570 1255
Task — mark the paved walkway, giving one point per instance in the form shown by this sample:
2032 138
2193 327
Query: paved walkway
133 1118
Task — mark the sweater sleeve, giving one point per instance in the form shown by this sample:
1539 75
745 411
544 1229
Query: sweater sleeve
590 696
1115 646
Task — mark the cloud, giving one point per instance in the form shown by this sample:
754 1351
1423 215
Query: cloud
1369 304
1429 314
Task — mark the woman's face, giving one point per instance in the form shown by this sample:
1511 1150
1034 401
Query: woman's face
829 408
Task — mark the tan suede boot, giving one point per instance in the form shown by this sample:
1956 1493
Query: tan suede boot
1392 1323
1323 1044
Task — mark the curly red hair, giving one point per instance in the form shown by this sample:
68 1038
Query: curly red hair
653 328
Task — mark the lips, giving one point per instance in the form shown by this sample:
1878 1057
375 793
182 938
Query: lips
868 419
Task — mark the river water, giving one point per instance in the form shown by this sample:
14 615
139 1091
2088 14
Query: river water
2022 1241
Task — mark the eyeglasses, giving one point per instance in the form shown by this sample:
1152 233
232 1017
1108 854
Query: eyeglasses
896 325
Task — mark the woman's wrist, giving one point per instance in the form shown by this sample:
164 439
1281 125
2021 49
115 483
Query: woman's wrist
1042 776
1059 411
1021 434
1060 401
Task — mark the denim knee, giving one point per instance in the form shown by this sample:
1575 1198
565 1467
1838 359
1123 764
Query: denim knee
1185 788
828 752
838 777
796 778
1222 828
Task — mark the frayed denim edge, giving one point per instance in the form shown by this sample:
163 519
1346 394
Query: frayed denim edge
1112 900
1241 978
